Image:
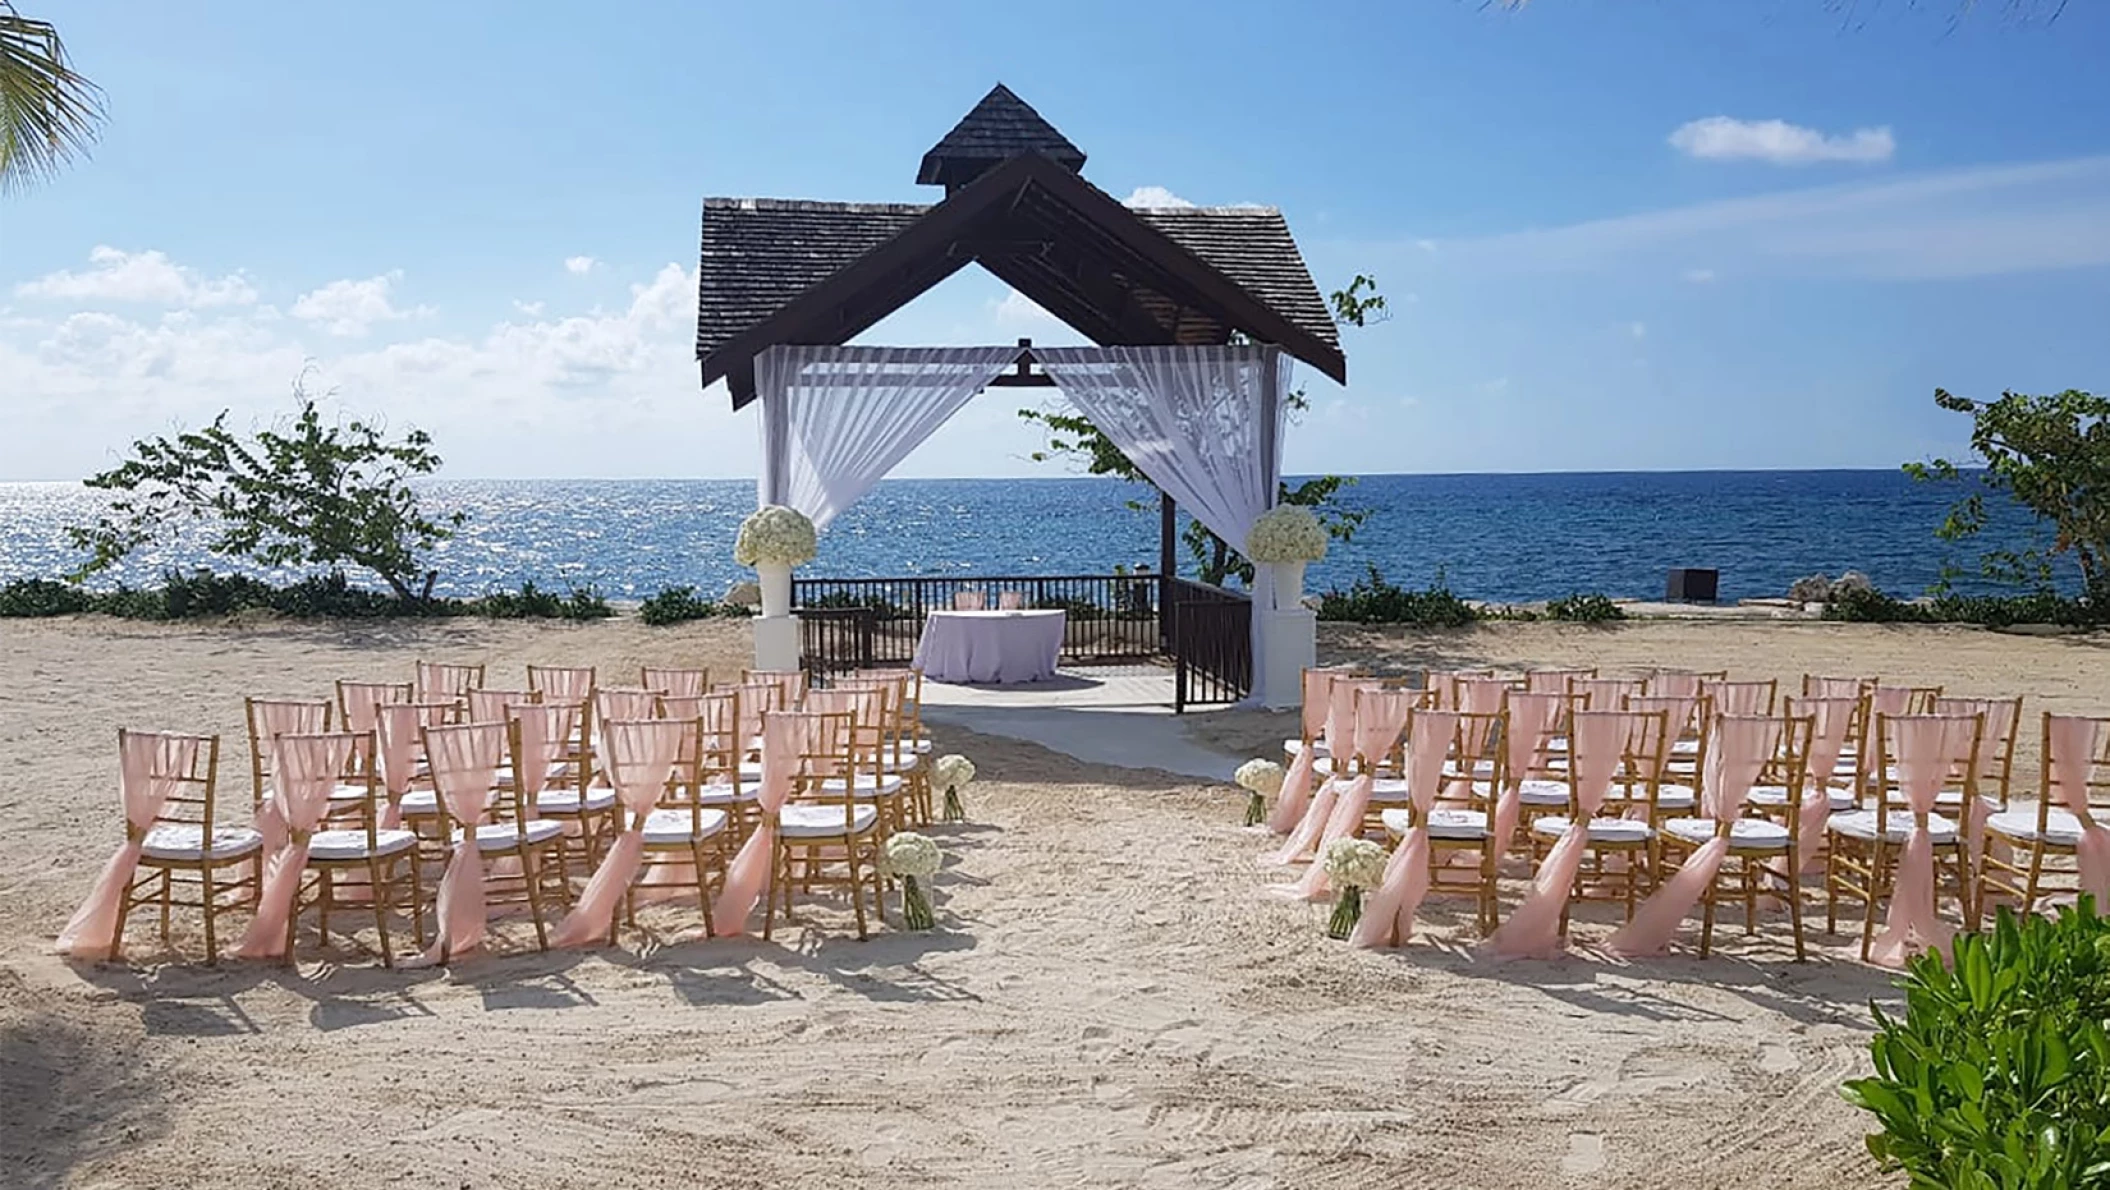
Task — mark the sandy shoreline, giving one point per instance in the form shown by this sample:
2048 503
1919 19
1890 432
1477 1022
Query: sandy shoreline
1112 999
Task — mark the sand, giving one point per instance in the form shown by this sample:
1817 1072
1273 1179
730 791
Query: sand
1111 998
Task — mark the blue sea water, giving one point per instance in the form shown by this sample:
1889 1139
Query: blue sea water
1501 537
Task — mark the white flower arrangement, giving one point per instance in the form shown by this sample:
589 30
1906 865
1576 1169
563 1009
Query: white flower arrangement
1354 863
775 535
910 854
1263 777
911 858
951 774
1286 533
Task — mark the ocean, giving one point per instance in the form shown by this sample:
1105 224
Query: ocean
1499 537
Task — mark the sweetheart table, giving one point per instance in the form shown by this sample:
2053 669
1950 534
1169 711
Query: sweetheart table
991 647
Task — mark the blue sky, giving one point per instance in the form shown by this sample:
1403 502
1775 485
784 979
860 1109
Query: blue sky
1614 234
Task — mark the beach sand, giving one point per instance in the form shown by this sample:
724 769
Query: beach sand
1111 999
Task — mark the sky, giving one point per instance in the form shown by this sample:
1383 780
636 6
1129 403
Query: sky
1613 234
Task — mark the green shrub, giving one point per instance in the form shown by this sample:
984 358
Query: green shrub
1871 606
27 597
674 605
846 601
1589 608
1372 600
1994 611
1998 1075
332 596
585 603
1074 610
202 593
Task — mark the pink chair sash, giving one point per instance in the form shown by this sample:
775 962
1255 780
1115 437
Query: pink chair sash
641 755
1340 745
1552 681
1388 916
677 683
546 733
2074 743
308 768
1740 748
1739 698
1831 718
1597 740
437 681
273 719
465 761
784 739
1380 718
491 706
610 704
1320 708
396 728
1928 747
1671 684
1608 694
150 767
1533 718
1481 695
562 684
362 699
1996 737
969 601
1010 601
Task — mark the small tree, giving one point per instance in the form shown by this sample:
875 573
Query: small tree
309 494
2052 456
1077 439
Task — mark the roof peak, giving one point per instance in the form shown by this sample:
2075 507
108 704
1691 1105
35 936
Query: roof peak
998 128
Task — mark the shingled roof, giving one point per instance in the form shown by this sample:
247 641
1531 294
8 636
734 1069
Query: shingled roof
777 271
999 128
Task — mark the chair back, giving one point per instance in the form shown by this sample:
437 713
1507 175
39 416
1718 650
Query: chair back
1608 694
356 701
1554 681
1819 686
562 683
681 683
621 702
969 601
1444 685
825 755
1743 698
490 706
1615 762
167 777
1915 756
2075 774
1677 683
1532 721
641 758
437 680
1996 745
465 760
539 739
269 718
399 740
1011 601
790 683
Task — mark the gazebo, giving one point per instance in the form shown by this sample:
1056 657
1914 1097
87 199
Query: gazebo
1196 312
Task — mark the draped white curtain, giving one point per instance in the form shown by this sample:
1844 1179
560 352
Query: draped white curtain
1203 423
835 420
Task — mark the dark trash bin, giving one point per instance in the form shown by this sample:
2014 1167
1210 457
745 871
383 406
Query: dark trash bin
1688 585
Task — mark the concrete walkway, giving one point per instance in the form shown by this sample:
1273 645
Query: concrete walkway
1120 716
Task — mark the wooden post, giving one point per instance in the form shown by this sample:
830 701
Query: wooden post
1168 564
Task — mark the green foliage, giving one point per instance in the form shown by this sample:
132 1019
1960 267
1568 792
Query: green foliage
30 597
309 495
531 602
1870 606
1586 608
847 601
2051 454
1075 439
1998 1075
1373 600
201 594
677 605
49 113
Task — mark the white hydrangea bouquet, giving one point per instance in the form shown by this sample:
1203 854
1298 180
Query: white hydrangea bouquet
1286 534
774 535
952 774
911 858
1262 779
1352 865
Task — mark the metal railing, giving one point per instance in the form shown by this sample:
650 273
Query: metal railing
1212 644
862 623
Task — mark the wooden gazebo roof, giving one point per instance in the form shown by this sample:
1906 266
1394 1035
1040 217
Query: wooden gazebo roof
782 271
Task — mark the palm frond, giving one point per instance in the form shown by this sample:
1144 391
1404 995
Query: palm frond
49 114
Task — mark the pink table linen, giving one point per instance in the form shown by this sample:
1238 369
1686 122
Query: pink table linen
640 759
747 877
1929 748
1380 719
1000 648
1388 918
465 761
150 767
1597 739
308 768
1739 750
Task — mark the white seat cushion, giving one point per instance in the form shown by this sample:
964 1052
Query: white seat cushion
902 759
924 746
186 841
420 803
721 794
505 836
1388 789
2061 828
351 844
350 793
1480 768
806 821
566 801
1448 822
677 828
1602 830
1777 795
1676 797
1685 747
1861 824
1536 791
1747 834
868 786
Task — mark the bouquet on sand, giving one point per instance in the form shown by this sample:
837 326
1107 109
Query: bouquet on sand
1262 779
952 774
912 859
1352 865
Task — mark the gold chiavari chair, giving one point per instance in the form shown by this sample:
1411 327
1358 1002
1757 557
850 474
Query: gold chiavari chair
825 834
1761 846
269 718
187 858
1994 779
1618 860
1607 694
714 757
562 683
873 783
1864 845
365 865
1677 787
1743 698
1820 686
356 701
509 831
2043 841
678 683
1555 681
685 838
1542 785
554 786
898 756
484 705
1444 683
1477 747
791 684
1679 683
437 681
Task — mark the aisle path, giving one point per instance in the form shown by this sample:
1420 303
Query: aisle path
1113 715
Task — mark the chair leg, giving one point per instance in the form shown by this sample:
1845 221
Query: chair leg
703 888
417 896
1794 877
1877 887
380 889
1963 889
327 892
529 870
1707 903
1831 890
769 893
117 932
168 890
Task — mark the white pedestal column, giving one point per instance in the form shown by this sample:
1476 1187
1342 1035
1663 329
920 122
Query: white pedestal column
776 629
1289 645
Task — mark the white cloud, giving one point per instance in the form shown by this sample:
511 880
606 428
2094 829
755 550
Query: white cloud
1154 196
531 309
147 278
1978 221
1721 138
1637 329
1699 276
351 308
579 264
1016 309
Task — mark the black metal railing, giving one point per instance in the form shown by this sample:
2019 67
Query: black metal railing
861 623
1212 644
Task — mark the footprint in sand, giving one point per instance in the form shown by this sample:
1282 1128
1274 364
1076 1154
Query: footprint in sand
1778 1059
1585 1155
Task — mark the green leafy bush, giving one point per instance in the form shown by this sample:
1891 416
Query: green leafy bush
1075 610
531 602
675 605
1871 606
27 597
1998 1075
846 601
1588 608
1373 600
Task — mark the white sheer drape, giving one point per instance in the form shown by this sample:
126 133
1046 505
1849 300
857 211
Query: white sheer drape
835 420
1204 423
